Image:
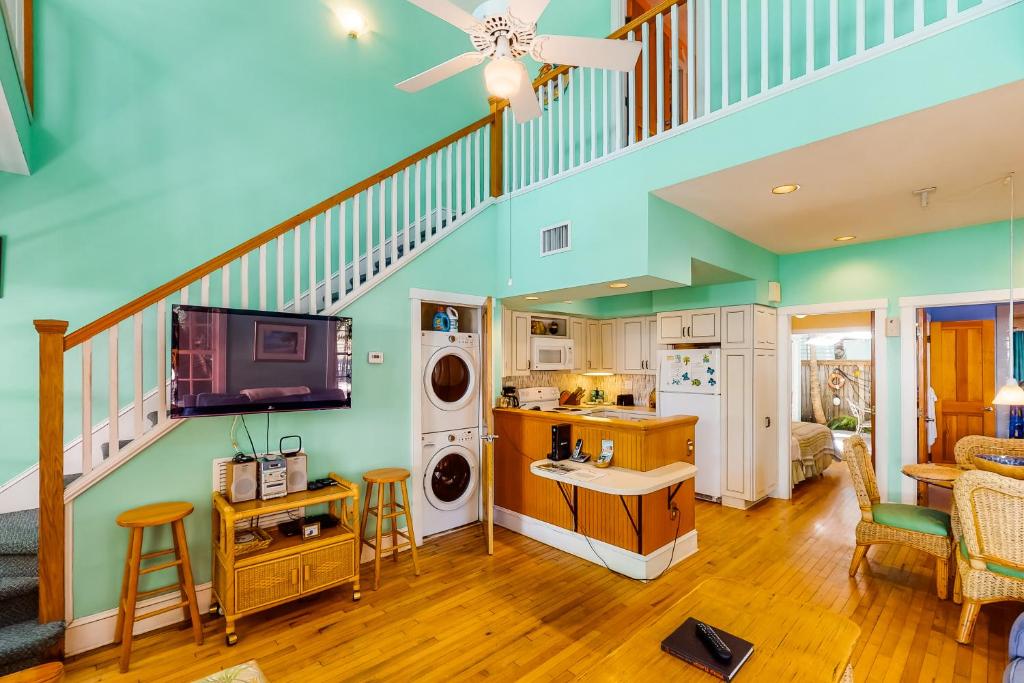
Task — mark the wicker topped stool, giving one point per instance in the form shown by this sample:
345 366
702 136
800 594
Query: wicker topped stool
136 521
387 507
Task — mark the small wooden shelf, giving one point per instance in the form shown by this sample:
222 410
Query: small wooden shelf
291 566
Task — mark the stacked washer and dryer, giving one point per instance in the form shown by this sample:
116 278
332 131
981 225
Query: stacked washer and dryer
450 409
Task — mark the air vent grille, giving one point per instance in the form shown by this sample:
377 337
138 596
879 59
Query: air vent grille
556 239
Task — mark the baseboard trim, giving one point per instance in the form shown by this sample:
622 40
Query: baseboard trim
97 630
642 567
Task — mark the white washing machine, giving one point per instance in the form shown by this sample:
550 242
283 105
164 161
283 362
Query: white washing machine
451 480
450 381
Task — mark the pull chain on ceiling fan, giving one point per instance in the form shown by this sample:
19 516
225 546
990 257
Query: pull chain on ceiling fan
504 31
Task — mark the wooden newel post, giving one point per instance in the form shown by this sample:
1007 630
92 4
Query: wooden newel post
497 147
51 469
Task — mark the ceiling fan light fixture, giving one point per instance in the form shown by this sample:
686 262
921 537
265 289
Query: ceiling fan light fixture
352 21
789 188
503 77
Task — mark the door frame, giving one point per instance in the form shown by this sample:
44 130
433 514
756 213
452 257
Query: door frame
879 382
416 298
908 306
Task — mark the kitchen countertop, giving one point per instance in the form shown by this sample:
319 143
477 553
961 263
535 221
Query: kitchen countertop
643 420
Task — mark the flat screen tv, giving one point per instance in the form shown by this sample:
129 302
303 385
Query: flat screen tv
228 362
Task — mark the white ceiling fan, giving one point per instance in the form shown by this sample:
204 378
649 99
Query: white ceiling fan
503 31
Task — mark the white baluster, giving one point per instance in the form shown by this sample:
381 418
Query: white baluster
691 70
645 89
279 271
414 224
204 290
549 90
572 82
393 249
833 31
426 218
263 277
861 33
632 97
705 51
459 178
382 221
593 114
562 81
765 63
312 299
225 285
368 247
328 261
889 20
439 188
297 269
449 190
725 54
659 71
744 55
478 192
184 295
506 150
787 41
541 146
87 406
619 102
113 400
485 171
674 46
137 408
581 92
809 38
918 15
342 247
605 104
356 230
406 219
951 8
512 172
531 158
245 280
161 360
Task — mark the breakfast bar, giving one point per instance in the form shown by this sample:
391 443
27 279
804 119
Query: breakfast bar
636 516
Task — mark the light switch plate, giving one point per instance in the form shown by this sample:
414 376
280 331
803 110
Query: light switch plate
375 358
892 327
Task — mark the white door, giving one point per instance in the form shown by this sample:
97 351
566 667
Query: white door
520 343
634 351
737 403
607 346
737 323
766 429
593 345
578 334
765 328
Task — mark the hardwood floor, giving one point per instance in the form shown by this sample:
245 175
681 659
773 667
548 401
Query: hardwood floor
533 613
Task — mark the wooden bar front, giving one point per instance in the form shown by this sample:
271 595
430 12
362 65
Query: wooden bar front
525 436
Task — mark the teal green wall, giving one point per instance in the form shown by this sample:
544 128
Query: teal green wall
10 86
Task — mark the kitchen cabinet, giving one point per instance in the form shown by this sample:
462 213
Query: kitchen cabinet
637 346
600 346
749 326
749 430
578 334
700 326
517 344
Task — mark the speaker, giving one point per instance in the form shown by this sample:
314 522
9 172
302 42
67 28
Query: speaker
560 446
297 476
241 481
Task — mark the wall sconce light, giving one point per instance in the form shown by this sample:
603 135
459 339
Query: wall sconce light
352 21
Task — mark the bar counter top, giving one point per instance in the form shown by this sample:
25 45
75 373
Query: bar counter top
640 418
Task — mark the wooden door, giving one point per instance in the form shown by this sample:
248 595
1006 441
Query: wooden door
921 334
963 377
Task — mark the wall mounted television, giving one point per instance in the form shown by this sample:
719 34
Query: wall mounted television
228 362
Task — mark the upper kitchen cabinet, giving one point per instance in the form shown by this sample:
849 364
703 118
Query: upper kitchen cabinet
749 327
578 334
600 346
637 346
700 326
515 351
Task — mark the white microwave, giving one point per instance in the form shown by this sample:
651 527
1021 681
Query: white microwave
551 353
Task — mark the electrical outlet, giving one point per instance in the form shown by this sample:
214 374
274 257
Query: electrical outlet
375 358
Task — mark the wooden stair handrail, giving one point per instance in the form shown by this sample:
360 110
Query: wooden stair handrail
216 263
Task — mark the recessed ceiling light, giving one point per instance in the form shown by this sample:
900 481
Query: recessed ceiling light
801 316
844 238
533 298
785 189
352 21
619 285
567 301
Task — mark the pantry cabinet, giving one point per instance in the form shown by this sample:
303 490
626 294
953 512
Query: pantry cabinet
749 430
749 326
700 326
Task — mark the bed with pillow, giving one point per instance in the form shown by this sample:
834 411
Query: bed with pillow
811 450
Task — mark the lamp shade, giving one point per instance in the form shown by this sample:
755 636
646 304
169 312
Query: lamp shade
1010 394
503 77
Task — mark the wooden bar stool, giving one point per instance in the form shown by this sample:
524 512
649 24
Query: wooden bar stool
387 507
136 521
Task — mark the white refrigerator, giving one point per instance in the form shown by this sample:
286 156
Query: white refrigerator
689 383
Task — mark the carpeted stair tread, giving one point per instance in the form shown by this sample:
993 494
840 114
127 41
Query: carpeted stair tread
19 599
16 586
18 565
27 641
19 533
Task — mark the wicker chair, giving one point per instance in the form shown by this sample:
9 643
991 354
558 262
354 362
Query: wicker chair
988 526
921 528
970 446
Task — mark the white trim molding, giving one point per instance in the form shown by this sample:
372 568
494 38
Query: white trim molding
880 307
633 565
908 363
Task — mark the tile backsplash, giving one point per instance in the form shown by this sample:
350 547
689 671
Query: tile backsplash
640 386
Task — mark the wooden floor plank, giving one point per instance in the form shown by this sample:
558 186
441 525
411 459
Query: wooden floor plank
531 612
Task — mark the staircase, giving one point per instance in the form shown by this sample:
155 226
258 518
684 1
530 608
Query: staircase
24 642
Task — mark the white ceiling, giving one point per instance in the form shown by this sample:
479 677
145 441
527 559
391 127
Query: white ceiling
860 183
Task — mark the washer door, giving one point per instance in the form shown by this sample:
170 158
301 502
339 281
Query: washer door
449 379
449 479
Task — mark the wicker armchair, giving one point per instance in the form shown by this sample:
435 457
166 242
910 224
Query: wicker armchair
921 528
988 526
970 446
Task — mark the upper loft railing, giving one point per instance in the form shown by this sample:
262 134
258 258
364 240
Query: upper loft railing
18 17
701 59
698 60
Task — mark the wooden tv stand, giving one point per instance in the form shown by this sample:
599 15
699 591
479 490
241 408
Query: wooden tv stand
290 567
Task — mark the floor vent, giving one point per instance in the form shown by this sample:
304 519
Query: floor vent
555 239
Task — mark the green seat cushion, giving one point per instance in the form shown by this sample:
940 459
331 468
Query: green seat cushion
992 566
911 518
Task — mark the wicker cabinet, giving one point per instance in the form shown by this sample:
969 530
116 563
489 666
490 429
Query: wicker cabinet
290 566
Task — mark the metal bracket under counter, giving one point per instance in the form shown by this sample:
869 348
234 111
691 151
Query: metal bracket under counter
616 481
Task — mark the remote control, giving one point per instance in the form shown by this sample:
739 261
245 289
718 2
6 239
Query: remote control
718 649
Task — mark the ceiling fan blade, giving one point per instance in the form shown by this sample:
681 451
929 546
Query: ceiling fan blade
445 9
524 102
527 11
619 55
455 65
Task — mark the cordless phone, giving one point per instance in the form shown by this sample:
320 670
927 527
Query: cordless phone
577 452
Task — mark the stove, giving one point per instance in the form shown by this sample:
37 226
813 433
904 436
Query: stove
545 399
